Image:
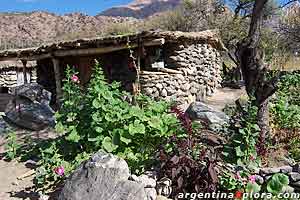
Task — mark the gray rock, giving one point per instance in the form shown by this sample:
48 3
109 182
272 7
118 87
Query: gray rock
103 176
30 108
159 197
296 168
164 187
159 86
151 193
286 169
294 176
201 111
296 185
266 171
259 179
147 182
164 93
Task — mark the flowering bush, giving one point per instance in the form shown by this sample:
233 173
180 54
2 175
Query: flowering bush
99 118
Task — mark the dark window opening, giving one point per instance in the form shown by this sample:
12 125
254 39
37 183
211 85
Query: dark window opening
4 90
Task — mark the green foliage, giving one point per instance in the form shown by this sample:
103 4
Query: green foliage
11 146
277 182
242 148
98 118
285 107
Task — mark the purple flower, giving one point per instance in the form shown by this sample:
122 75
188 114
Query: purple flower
60 171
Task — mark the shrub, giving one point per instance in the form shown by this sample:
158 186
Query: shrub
285 107
99 118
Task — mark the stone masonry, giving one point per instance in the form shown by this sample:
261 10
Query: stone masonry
195 72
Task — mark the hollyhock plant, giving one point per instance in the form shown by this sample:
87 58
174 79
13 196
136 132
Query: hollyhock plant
238 176
75 79
60 171
252 179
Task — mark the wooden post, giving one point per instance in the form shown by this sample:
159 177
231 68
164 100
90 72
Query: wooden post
57 75
24 71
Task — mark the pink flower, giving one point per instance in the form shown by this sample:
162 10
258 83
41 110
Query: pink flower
252 158
59 170
75 79
252 179
238 176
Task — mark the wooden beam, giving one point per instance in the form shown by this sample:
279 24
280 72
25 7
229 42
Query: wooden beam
57 75
79 52
92 51
24 71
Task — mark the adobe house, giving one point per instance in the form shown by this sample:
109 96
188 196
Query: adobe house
170 65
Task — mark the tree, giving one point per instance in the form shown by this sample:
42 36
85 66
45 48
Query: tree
290 27
250 59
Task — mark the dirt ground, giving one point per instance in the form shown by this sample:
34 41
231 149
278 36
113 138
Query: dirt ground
14 188
16 178
224 96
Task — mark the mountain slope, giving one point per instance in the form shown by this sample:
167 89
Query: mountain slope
141 8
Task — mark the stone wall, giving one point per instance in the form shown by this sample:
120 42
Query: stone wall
192 72
12 77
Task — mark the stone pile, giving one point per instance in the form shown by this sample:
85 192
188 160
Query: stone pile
194 74
293 172
105 176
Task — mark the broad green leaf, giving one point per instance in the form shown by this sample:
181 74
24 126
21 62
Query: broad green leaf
253 188
238 151
73 136
136 127
155 122
125 140
96 103
108 145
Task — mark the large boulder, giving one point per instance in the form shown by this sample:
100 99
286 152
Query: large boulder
213 118
104 176
30 108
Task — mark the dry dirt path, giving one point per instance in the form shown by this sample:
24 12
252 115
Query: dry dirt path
225 96
11 186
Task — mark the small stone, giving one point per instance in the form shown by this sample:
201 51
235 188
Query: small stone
151 193
266 171
286 169
288 189
159 197
259 179
148 182
133 178
296 168
15 183
159 86
164 93
294 176
148 90
44 197
296 184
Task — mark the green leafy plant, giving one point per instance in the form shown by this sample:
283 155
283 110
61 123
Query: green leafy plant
11 146
99 117
285 107
277 182
244 139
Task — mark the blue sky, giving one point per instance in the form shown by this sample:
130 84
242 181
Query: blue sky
91 7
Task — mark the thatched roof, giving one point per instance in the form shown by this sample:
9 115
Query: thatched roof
16 64
209 37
